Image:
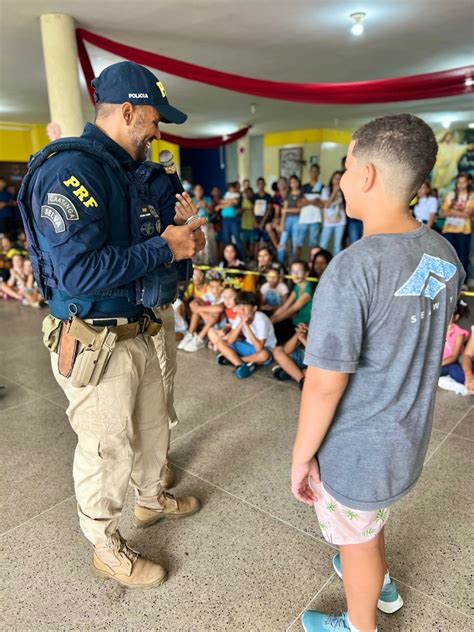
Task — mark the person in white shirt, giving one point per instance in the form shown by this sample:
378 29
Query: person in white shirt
309 224
426 208
252 339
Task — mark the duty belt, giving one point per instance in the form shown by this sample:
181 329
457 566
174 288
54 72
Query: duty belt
126 330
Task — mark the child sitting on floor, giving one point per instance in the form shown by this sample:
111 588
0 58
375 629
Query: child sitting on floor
209 310
197 287
251 341
273 293
452 375
224 326
290 357
297 308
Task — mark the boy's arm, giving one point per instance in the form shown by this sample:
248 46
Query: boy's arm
234 334
296 306
291 299
322 393
258 344
332 353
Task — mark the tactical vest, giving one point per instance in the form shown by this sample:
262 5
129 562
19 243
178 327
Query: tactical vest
170 276
154 289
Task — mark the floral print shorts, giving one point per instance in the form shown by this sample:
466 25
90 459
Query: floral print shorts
341 525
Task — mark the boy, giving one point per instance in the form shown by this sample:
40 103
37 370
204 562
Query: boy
259 338
290 357
209 309
373 364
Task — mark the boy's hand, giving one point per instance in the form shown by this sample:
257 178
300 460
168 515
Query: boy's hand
300 483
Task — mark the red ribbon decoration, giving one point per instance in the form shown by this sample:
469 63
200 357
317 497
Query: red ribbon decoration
190 143
446 83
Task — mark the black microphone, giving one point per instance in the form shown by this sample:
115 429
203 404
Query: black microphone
167 162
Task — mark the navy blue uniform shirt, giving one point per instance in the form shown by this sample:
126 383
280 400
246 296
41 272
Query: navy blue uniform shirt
83 210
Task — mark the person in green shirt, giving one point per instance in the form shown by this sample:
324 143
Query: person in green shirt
297 308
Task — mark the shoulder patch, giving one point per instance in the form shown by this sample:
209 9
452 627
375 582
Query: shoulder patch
52 215
65 204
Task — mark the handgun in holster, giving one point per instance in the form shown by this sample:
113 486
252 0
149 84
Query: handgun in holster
92 359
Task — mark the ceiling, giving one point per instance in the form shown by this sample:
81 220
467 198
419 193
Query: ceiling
281 40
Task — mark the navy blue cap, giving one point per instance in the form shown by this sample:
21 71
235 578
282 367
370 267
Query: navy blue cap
127 82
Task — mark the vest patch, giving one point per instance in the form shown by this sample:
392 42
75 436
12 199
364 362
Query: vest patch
52 215
147 229
65 204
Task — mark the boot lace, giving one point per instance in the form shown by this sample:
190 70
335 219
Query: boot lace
120 546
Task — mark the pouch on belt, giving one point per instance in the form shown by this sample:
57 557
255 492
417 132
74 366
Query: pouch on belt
51 329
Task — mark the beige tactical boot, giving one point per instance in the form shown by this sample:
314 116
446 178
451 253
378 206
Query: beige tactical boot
168 477
165 506
116 560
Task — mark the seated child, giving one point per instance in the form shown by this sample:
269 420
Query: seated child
197 287
208 309
180 324
290 357
17 282
466 362
224 326
251 341
297 308
32 296
273 293
452 375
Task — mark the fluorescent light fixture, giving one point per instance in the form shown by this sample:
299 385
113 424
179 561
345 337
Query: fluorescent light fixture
471 125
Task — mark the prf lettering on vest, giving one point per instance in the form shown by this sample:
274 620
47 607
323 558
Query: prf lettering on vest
80 192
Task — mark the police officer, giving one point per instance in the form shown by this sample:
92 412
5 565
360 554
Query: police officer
83 222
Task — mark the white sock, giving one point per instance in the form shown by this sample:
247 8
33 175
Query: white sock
386 579
352 627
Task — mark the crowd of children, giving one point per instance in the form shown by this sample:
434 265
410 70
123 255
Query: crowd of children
16 274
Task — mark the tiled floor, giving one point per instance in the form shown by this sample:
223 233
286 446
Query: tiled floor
253 559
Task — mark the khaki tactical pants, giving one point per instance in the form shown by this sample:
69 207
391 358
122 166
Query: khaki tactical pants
123 434
165 345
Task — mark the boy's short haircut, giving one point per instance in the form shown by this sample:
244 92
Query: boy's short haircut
402 147
246 298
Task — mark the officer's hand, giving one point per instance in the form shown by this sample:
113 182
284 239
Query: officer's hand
184 208
182 240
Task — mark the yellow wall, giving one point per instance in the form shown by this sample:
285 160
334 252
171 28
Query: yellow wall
159 145
19 141
329 145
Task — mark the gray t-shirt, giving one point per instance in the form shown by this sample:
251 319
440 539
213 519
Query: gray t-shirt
380 312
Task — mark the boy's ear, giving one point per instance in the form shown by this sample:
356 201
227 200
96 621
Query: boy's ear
369 175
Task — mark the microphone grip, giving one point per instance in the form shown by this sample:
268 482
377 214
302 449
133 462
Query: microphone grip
176 182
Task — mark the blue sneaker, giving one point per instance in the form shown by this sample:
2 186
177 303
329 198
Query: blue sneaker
319 622
389 600
245 370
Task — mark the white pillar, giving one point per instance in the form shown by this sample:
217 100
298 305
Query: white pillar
62 73
243 158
